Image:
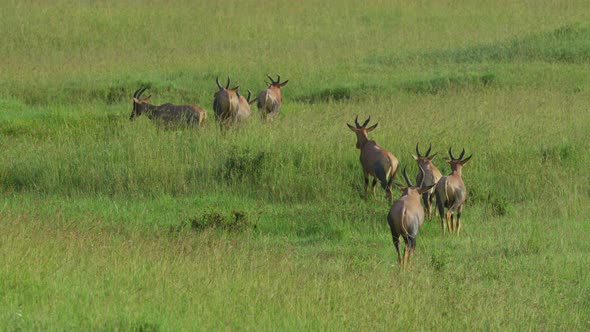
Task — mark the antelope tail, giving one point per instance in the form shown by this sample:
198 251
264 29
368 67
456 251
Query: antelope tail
381 175
404 229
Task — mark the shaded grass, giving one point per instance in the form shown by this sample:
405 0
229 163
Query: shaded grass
568 44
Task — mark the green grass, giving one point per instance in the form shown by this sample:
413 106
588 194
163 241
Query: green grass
115 225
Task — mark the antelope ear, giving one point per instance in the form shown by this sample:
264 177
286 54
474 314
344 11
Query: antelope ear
147 98
432 157
351 127
251 102
370 129
464 161
135 100
413 156
425 189
284 83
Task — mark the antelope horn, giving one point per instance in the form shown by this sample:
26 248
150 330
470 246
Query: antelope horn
218 84
367 121
227 86
270 78
249 95
407 178
356 121
278 78
141 92
451 154
418 151
462 154
429 148
135 94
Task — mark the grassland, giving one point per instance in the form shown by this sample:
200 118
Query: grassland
107 224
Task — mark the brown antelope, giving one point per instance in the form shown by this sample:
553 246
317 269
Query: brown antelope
270 100
451 193
405 218
226 104
244 110
167 113
429 175
376 161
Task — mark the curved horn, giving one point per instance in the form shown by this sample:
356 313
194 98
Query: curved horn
367 121
135 94
271 80
249 95
407 178
227 86
278 78
218 84
429 148
356 121
451 154
141 92
462 154
418 151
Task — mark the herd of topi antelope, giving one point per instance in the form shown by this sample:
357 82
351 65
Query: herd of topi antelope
229 106
406 214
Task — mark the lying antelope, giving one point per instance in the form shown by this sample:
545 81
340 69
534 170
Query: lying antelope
244 110
270 100
405 218
376 161
451 193
167 113
226 104
429 175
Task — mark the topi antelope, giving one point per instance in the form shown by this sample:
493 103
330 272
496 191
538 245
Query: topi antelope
428 175
405 218
226 104
270 100
244 110
167 113
451 193
376 161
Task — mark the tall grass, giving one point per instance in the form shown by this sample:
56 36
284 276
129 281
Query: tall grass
112 224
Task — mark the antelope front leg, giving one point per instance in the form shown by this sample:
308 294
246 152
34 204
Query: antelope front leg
366 186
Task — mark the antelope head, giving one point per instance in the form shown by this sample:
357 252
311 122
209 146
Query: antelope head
246 99
424 161
226 88
361 131
275 86
410 189
457 163
140 104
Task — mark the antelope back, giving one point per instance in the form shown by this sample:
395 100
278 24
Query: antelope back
244 106
226 103
271 99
